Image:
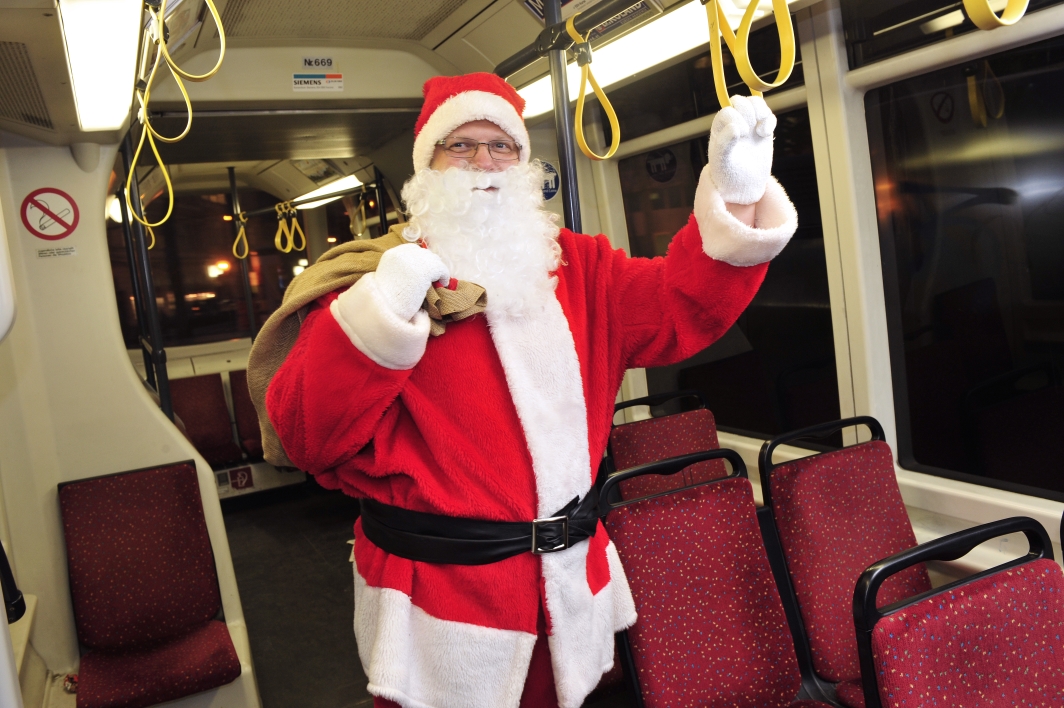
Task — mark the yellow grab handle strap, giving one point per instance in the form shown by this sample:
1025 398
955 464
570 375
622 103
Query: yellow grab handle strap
297 229
282 240
787 48
738 45
166 177
983 16
178 71
584 60
240 245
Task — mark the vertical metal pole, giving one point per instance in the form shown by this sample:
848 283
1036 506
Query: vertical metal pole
245 272
138 295
155 338
563 121
382 211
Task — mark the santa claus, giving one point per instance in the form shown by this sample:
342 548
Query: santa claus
482 577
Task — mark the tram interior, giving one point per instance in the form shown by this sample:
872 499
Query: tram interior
924 286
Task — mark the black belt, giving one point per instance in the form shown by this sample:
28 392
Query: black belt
435 538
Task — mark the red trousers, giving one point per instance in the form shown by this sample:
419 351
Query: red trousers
539 685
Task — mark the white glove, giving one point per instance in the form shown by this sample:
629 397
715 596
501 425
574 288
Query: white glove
405 273
740 149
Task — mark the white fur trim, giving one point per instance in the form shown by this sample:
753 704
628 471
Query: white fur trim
725 238
583 625
539 359
420 661
464 108
373 327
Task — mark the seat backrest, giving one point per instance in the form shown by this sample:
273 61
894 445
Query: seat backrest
993 639
140 561
837 513
983 644
656 439
247 421
711 628
200 402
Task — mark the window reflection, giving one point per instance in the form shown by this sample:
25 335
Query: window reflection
775 369
969 171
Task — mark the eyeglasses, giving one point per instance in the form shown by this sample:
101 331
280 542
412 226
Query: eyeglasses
466 148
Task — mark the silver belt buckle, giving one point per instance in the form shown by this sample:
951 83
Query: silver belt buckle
536 523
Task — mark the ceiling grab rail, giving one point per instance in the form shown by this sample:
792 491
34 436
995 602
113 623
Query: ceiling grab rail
582 49
984 17
738 45
160 35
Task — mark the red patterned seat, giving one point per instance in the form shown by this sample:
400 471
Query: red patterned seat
247 421
144 589
711 629
200 402
654 439
837 513
990 640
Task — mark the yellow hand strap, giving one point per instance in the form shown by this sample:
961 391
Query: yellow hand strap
583 58
282 240
149 132
240 245
738 45
983 16
296 229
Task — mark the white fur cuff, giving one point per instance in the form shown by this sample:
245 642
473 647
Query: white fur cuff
725 238
379 333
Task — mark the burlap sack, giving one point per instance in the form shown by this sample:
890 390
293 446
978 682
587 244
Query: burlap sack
337 269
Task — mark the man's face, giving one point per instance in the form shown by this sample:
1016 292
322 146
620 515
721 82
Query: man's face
478 131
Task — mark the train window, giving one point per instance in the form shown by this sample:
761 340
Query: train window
684 91
877 29
775 369
968 166
199 291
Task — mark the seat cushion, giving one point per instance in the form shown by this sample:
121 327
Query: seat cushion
837 514
711 630
850 694
656 439
201 660
993 642
139 557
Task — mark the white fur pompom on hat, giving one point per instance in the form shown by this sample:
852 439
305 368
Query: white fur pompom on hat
452 101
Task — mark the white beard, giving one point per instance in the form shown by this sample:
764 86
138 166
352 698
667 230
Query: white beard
503 240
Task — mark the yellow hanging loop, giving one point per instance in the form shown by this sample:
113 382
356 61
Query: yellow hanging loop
152 234
984 17
583 59
738 46
787 47
240 245
178 71
296 229
282 240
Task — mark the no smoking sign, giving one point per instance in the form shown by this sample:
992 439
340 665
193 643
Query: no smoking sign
50 214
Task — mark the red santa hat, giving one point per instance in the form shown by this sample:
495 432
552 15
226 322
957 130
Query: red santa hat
451 101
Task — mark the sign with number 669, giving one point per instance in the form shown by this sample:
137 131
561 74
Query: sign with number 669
317 62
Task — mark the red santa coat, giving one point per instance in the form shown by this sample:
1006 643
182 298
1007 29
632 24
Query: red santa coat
505 418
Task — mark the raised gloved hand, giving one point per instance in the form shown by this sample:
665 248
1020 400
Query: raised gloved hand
405 273
740 149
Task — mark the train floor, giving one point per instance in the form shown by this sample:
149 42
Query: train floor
290 552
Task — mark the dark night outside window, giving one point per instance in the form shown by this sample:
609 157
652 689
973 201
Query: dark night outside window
775 369
878 29
968 165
